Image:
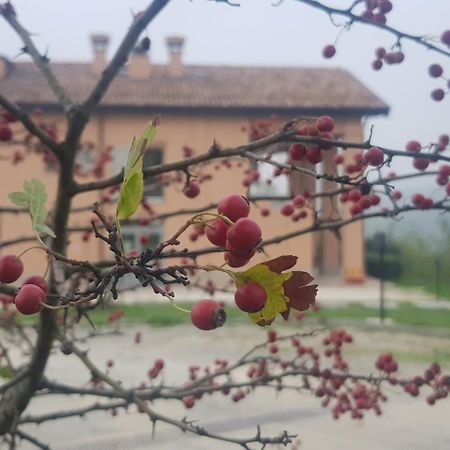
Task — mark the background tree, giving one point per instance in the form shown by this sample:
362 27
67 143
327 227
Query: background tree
83 285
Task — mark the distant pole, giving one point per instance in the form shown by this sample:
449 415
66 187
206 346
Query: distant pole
437 264
382 249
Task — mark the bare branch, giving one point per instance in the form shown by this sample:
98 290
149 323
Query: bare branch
41 61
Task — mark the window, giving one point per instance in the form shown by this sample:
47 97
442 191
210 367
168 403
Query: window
132 240
153 188
132 236
269 185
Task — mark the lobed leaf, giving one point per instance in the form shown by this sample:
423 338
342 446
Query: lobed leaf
283 290
34 198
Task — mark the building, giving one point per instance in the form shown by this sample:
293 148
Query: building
198 104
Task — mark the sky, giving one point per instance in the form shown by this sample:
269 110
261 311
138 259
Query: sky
258 33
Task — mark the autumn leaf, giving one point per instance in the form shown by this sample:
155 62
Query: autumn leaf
284 290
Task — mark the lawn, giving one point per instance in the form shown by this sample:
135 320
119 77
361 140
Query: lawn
159 314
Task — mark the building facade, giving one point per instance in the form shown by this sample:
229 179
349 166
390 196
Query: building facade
198 105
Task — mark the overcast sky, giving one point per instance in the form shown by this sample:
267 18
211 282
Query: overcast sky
258 33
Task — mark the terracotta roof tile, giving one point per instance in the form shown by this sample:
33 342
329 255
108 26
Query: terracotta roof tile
237 88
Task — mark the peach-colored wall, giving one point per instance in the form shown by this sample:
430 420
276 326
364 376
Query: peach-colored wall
197 131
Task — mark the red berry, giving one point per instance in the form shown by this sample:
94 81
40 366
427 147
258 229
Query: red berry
217 232
234 207
298 200
380 52
374 156
338 159
265 212
189 401
421 163
287 209
435 70
397 195
207 315
354 195
438 95
314 155
444 140
375 199
29 299
11 268
192 189
445 38
233 261
329 51
159 363
447 189
356 209
250 297
384 6
325 123
413 146
326 135
365 201
144 239
297 151
380 18
244 234
38 281
377 64
417 200
271 336
5 133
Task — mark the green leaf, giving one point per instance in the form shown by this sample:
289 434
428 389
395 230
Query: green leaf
45 229
132 188
6 372
130 196
34 199
19 198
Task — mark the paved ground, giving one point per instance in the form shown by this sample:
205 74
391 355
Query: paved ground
407 423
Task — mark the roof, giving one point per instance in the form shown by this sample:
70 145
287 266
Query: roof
223 89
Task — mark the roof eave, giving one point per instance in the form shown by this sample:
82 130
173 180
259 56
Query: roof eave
221 110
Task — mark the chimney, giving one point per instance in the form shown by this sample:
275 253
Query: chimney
139 63
175 46
99 45
5 67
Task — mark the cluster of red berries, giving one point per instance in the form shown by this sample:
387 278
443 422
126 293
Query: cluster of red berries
385 57
31 296
376 10
261 127
155 370
386 363
360 202
6 119
241 237
313 153
420 201
436 70
288 209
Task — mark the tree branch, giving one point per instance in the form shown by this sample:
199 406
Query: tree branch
41 61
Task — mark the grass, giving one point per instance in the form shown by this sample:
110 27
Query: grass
428 286
163 315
